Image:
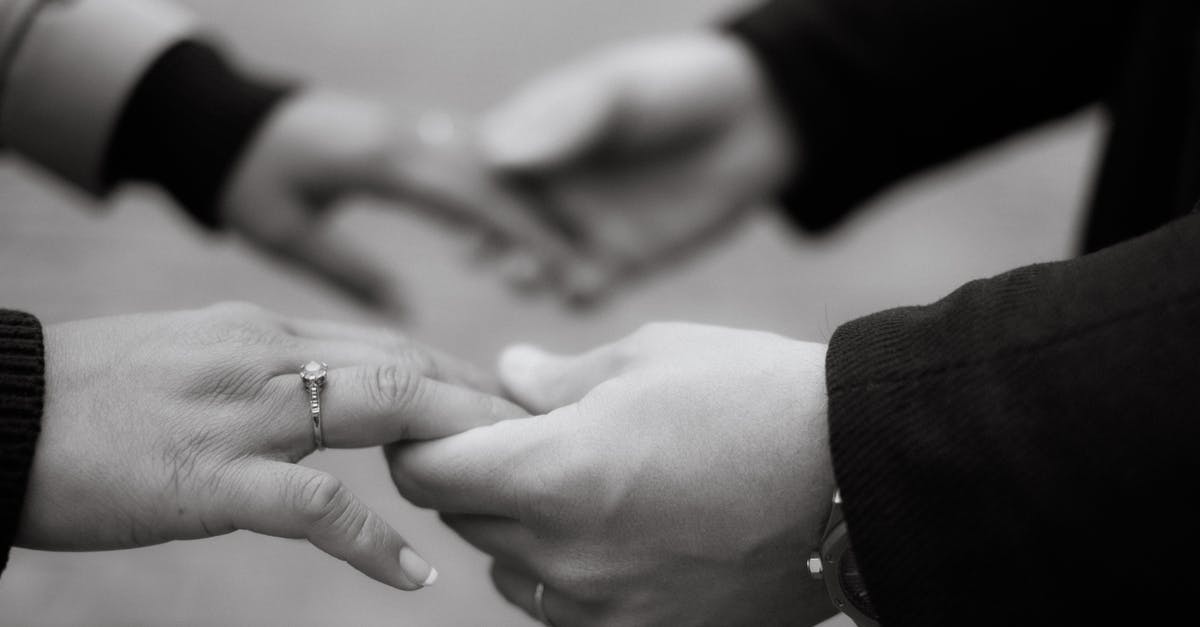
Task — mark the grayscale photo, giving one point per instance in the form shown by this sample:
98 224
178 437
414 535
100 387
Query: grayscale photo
567 313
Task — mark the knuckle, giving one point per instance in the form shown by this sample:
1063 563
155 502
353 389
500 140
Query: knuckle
321 497
395 387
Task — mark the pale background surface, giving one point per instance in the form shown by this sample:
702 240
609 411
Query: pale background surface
62 260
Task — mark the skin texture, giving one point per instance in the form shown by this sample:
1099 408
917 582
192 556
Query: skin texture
320 148
174 426
645 151
680 476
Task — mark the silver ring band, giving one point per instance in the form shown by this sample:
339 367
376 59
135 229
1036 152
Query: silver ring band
312 375
539 607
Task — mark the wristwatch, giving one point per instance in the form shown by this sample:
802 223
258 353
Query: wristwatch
836 565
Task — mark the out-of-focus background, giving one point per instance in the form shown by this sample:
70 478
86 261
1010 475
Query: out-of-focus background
63 258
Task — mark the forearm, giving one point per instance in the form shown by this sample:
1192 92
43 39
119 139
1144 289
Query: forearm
101 92
879 90
1001 451
21 388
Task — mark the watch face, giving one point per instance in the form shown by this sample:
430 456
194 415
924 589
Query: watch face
853 585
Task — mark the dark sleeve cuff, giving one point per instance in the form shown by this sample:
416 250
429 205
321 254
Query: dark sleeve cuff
21 388
185 125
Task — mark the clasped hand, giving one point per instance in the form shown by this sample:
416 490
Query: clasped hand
672 477
677 477
602 171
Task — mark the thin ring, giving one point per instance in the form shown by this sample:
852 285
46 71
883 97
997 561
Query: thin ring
539 608
312 375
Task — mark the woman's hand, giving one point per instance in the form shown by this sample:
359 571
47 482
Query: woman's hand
647 150
174 426
680 476
321 147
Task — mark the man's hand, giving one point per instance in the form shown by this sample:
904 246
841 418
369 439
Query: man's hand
647 150
680 477
321 147
172 426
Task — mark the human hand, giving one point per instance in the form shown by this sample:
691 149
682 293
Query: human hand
680 477
322 147
173 426
647 150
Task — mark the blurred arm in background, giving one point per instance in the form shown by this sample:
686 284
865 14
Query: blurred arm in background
649 149
103 92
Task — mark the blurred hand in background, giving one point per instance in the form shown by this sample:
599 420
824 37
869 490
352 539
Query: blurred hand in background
320 148
645 151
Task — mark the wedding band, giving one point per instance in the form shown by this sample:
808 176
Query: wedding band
539 599
312 375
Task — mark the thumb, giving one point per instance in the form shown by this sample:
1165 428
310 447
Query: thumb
553 121
542 382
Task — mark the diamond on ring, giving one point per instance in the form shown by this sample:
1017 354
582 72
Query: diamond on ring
313 375
314 372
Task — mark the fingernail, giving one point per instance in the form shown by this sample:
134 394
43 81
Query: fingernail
416 568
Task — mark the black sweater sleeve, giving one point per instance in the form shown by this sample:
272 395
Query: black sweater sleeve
1027 450
186 123
21 387
879 89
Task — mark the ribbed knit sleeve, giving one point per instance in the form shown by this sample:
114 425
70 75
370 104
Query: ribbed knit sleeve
21 389
879 89
1026 451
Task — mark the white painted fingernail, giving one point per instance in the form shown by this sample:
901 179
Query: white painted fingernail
416 568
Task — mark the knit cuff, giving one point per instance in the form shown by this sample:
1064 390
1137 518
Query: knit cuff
186 124
21 387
